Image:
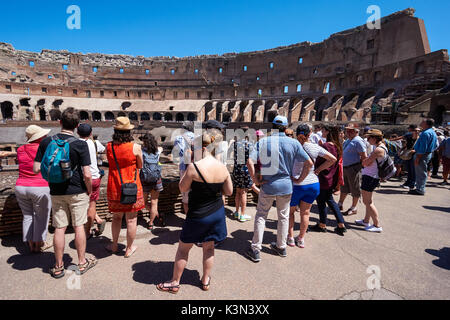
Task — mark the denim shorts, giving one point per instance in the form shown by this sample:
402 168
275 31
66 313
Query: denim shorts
307 193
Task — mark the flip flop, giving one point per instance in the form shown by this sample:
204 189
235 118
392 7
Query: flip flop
170 289
130 254
205 287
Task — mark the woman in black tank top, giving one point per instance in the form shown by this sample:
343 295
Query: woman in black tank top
205 220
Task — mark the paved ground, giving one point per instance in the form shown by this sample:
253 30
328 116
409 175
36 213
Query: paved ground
411 258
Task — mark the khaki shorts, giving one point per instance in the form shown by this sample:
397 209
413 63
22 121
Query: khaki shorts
352 181
70 208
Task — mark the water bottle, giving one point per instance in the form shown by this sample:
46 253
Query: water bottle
66 169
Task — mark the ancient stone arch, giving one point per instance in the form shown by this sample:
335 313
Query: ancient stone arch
109 116
145 116
96 116
133 116
7 110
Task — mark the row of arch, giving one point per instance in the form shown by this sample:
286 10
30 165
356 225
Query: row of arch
135 116
224 110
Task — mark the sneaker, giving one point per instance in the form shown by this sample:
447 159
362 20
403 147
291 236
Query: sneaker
444 183
290 242
280 252
436 176
299 243
244 218
415 192
318 228
372 228
405 186
361 223
236 215
340 231
253 255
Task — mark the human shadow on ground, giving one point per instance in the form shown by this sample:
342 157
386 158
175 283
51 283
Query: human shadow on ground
165 236
25 259
153 273
435 208
437 185
443 255
391 191
96 246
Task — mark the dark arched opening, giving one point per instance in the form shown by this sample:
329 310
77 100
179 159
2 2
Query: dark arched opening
180 117
121 114
84 115
96 116
320 106
109 116
157 116
133 116
191 116
145 116
42 114
168 117
7 110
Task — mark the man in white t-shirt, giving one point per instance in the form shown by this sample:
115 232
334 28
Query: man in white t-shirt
85 133
317 137
100 149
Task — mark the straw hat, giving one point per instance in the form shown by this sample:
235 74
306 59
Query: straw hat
374 133
34 133
123 124
352 126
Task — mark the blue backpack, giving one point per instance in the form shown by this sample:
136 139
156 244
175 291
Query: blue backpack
151 170
57 151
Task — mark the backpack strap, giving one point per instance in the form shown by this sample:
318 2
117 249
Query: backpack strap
117 165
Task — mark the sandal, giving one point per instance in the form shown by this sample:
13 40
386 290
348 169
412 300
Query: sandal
101 228
56 272
45 246
131 253
151 227
89 264
171 289
205 287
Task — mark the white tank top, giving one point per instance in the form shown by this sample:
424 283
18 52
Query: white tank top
372 170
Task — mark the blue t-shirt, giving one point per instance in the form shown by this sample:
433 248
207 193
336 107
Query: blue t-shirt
352 149
427 142
277 154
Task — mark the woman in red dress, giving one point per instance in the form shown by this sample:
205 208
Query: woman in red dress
129 158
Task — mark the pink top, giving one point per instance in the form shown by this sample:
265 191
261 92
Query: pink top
25 157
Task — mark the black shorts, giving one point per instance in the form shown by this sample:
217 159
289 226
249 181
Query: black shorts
369 184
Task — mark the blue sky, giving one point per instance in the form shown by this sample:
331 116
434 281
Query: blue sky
186 28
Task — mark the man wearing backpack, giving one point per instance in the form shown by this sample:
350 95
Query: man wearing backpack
64 162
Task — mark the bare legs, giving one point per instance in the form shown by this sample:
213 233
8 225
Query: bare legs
131 219
181 260
371 210
92 216
304 219
241 200
152 205
354 200
59 243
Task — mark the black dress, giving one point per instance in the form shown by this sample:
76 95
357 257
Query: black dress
205 219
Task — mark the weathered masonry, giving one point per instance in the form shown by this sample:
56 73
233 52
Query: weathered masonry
375 76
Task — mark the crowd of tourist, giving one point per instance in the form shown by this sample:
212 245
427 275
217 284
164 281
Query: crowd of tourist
60 174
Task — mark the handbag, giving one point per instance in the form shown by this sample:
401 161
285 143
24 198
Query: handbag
128 191
406 154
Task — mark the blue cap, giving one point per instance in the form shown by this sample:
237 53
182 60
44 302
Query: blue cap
281 121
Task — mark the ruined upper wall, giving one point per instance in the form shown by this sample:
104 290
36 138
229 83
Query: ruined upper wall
342 55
